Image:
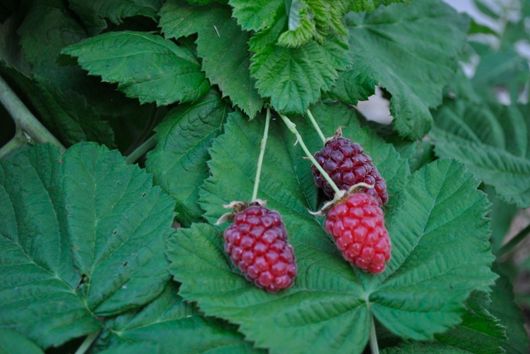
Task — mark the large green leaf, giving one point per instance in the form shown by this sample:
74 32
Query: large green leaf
294 78
82 238
221 44
93 13
493 144
480 332
143 65
178 163
12 342
169 325
400 47
256 15
424 348
438 233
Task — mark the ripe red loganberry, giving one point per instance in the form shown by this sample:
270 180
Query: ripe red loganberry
357 225
257 244
347 164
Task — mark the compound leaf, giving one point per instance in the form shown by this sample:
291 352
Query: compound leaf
82 236
438 232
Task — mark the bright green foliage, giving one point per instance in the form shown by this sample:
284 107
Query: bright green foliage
178 162
169 325
143 65
294 78
438 233
94 12
413 61
12 342
492 143
82 237
424 348
256 15
221 44
480 332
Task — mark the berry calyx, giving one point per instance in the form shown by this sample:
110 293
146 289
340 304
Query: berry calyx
357 225
257 244
347 164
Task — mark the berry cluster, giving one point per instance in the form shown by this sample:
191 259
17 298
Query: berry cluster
257 244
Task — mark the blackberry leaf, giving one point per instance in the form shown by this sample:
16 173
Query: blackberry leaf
82 236
221 44
143 65
14 343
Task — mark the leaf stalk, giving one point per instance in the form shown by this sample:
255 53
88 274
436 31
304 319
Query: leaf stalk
374 346
141 150
87 343
316 126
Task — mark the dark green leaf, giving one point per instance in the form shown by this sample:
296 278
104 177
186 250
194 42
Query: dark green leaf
12 342
82 237
178 162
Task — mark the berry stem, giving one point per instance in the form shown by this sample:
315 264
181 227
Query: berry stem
315 125
262 147
292 127
373 338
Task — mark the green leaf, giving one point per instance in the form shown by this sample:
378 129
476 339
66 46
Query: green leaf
510 315
294 78
143 65
480 332
169 325
94 13
178 163
493 144
12 342
423 348
400 47
256 15
502 214
221 44
353 86
438 233
82 237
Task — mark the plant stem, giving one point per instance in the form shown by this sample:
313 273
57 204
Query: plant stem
510 246
141 150
373 338
315 125
23 118
87 343
17 141
262 148
292 127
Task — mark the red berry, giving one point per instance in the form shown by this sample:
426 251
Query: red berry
357 225
347 164
257 244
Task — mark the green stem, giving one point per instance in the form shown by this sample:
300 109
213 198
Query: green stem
262 148
510 246
17 141
141 150
373 338
292 127
89 340
23 118
315 125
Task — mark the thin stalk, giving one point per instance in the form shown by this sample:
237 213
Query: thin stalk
17 141
23 118
262 148
510 246
141 150
315 125
292 127
373 338
89 340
